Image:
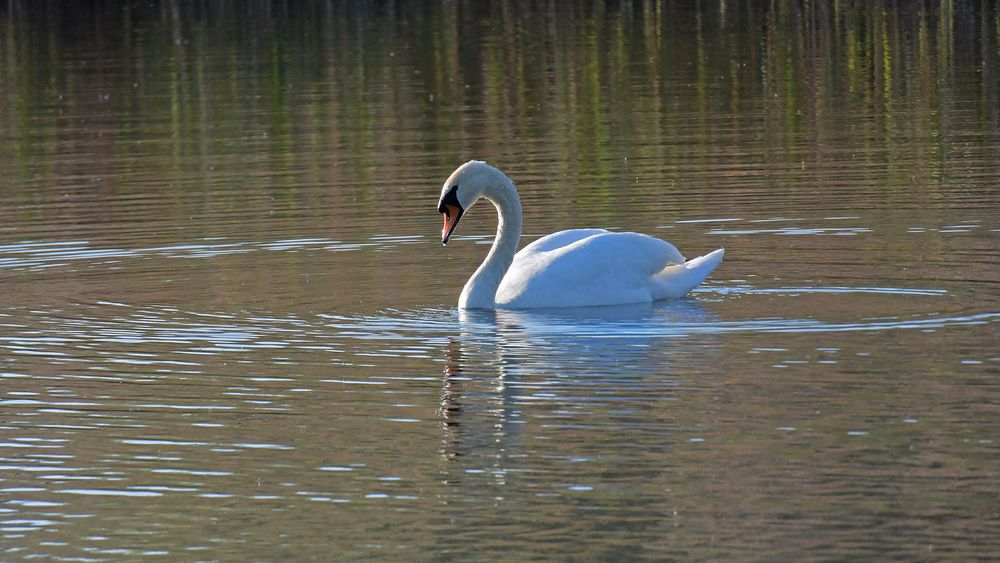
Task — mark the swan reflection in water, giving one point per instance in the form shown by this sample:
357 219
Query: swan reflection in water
563 363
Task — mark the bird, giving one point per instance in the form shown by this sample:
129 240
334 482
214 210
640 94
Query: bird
571 268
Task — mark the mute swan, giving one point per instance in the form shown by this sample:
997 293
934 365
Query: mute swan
574 268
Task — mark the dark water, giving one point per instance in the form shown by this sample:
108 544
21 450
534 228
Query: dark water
228 329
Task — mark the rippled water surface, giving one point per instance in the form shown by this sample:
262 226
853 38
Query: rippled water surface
229 332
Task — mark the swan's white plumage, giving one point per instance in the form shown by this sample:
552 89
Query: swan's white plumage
573 268
586 267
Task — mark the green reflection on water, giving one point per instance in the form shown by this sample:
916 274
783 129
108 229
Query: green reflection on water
604 92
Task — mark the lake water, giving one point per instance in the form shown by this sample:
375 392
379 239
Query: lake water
228 328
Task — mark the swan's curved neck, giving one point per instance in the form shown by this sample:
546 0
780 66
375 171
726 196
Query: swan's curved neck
481 289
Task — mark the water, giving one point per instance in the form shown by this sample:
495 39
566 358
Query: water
228 328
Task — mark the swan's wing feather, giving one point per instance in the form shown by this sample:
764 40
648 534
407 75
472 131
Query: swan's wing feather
676 280
597 268
560 239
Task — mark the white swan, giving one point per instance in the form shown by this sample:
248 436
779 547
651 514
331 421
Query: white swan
574 268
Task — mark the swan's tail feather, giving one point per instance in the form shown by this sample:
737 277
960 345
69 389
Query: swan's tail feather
676 281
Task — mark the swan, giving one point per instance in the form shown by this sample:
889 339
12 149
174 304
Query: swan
573 268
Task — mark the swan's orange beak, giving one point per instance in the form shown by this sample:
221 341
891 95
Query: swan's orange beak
451 215
451 208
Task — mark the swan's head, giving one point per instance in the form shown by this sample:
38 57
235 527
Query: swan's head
462 190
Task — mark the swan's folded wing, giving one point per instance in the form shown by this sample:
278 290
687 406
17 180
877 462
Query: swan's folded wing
596 268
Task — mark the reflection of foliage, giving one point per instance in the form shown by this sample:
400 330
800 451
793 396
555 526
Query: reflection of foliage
607 91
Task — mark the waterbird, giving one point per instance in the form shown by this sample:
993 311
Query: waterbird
572 268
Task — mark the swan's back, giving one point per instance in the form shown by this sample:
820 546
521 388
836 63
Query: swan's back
558 240
584 267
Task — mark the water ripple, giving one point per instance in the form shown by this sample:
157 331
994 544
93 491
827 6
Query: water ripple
39 255
414 333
